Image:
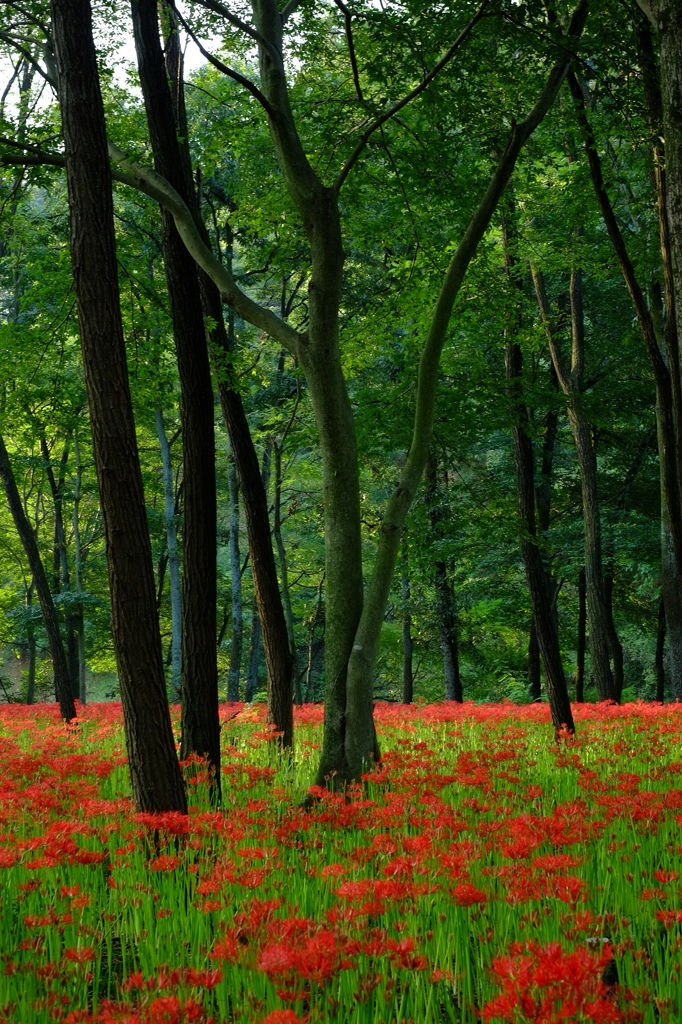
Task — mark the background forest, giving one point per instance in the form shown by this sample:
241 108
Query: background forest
543 336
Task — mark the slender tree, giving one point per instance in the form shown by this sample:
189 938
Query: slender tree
156 779
60 667
199 669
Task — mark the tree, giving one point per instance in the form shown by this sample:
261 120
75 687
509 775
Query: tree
155 772
62 679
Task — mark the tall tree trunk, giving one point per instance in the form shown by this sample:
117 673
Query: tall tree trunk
31 645
266 575
317 618
534 674
283 565
536 576
78 570
580 644
62 680
661 339
666 17
362 742
659 658
155 773
173 557
251 682
571 385
234 671
408 674
615 645
62 577
445 598
199 670
273 625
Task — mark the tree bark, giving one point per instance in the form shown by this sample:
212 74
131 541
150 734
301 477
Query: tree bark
237 632
534 673
31 646
62 679
536 576
615 645
251 682
62 577
199 670
284 566
408 674
660 647
580 644
173 557
78 570
570 382
155 773
266 576
445 598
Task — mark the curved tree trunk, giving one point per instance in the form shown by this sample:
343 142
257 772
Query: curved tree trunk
155 773
62 679
237 632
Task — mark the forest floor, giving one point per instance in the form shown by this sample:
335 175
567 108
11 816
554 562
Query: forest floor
484 873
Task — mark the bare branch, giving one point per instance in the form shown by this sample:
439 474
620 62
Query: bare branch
289 9
249 30
425 82
348 21
225 70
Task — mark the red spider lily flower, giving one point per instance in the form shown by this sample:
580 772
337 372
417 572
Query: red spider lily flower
665 876
79 956
282 1017
227 948
203 979
467 895
545 983
669 917
164 862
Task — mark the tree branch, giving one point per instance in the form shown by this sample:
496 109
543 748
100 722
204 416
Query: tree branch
347 18
425 82
224 69
146 180
218 8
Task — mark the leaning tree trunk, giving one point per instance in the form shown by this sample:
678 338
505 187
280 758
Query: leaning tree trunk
62 577
199 670
234 670
406 612
570 381
62 679
173 557
155 773
580 642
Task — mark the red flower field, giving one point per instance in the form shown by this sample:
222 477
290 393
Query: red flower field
484 873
